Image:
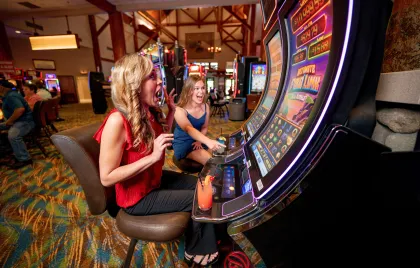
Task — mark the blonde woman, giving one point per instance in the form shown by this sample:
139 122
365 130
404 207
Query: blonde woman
192 119
132 151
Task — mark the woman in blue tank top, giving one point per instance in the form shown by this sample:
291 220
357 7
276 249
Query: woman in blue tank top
192 118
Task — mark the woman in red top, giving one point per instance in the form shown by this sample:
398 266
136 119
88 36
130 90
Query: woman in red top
132 154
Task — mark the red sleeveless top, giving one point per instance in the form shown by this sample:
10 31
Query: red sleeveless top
130 191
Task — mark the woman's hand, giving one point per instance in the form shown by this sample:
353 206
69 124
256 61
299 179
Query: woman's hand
170 100
215 145
160 144
197 145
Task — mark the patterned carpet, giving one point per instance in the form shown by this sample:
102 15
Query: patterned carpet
45 221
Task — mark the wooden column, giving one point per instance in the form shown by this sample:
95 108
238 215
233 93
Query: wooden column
252 50
5 50
95 43
117 34
136 41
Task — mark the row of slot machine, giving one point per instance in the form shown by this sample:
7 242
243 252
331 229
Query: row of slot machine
297 179
173 66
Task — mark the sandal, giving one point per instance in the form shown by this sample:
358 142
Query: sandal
191 260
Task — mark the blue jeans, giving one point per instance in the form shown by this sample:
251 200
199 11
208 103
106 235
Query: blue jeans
15 136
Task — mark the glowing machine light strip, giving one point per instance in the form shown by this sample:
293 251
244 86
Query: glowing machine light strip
340 66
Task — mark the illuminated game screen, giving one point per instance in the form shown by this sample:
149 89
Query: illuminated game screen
258 76
309 28
276 60
156 55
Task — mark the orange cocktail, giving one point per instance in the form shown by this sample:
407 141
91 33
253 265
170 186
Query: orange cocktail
205 193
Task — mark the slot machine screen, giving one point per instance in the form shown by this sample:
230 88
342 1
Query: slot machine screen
156 55
309 32
258 76
276 63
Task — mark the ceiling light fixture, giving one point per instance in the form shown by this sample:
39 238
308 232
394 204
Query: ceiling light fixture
214 49
53 42
18 32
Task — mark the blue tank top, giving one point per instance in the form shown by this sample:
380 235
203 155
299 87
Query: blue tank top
182 142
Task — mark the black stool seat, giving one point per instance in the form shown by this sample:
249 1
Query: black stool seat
187 165
155 228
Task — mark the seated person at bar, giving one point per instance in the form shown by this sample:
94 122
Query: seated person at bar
30 95
132 149
42 91
54 92
19 122
192 118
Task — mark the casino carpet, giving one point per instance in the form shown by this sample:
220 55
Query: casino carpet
45 221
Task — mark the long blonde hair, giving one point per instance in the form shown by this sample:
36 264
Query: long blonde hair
188 88
128 76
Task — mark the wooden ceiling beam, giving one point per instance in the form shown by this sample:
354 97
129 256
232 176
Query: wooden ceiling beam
206 16
177 27
158 25
98 32
127 19
189 23
229 46
189 15
104 5
230 35
232 25
234 41
148 40
243 21
198 17
218 13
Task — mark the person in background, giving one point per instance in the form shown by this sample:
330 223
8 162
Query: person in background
220 93
30 95
19 122
132 154
192 119
42 91
54 92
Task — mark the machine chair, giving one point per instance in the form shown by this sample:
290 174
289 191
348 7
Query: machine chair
81 152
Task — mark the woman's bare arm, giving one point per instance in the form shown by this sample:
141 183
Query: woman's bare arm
185 124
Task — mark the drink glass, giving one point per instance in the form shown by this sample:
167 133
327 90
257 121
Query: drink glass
204 195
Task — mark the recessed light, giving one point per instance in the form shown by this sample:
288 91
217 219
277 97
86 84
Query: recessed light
17 31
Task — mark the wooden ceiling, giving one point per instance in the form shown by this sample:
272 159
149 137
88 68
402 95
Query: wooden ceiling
229 20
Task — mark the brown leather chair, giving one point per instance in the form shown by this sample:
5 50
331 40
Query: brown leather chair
81 152
51 112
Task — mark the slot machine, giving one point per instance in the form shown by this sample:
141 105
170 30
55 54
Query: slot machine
301 188
180 68
238 77
156 54
276 50
258 75
197 70
51 81
247 61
